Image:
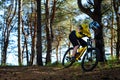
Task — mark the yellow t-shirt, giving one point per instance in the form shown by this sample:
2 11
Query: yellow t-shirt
84 31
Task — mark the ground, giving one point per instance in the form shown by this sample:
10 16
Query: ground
58 73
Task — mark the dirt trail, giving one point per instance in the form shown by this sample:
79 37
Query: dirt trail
54 73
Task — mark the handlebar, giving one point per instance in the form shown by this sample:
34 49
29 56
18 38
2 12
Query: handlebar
90 42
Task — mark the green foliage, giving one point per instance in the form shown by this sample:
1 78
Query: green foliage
112 62
2 1
7 64
77 64
109 64
54 64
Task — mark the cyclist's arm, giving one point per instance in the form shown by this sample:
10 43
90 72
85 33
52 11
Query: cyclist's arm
87 32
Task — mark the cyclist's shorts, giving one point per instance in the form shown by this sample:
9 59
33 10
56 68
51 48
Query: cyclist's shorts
76 41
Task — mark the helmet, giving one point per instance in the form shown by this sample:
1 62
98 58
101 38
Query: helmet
94 24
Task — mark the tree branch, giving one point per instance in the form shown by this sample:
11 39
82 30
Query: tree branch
83 9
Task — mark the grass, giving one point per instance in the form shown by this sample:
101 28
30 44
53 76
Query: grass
55 64
109 64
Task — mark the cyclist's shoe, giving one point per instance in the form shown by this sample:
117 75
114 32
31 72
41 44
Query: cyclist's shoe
73 59
78 58
77 55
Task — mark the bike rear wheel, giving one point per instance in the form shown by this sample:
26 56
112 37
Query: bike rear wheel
90 59
66 62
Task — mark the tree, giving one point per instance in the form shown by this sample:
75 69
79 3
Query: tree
49 23
109 29
39 31
19 32
116 5
7 28
29 28
93 9
57 17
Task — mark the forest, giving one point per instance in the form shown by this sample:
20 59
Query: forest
36 32
34 37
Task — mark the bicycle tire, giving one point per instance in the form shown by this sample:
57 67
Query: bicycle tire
90 59
66 61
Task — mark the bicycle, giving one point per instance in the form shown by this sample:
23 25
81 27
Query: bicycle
89 57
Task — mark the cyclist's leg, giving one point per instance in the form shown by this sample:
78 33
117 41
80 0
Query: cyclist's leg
83 44
74 41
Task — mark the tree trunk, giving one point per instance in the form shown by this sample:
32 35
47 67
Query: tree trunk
49 46
39 35
4 51
116 5
25 43
118 37
48 35
33 36
49 30
6 32
19 32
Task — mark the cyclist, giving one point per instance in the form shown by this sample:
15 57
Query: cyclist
76 36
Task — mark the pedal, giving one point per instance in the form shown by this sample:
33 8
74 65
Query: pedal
73 59
78 58
77 54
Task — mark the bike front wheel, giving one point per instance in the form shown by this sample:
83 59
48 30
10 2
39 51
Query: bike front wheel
66 61
90 59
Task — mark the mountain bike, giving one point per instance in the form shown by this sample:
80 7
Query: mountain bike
89 57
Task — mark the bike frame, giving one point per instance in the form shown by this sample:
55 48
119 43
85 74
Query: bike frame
89 58
89 43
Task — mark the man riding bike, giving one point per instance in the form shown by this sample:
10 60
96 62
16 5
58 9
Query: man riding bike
76 36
